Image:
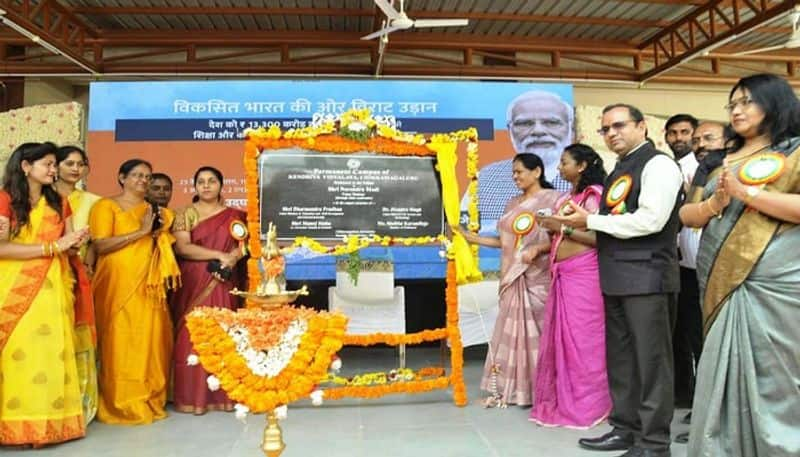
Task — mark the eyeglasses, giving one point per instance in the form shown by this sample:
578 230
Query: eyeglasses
616 126
744 102
707 138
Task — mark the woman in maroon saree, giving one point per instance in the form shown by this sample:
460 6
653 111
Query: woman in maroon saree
203 235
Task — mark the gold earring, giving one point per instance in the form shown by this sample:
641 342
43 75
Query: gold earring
26 173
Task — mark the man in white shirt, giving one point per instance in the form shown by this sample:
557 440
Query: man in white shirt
636 230
678 132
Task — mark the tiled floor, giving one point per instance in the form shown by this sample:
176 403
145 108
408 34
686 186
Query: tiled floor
395 426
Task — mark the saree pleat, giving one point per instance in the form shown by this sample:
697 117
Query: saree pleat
134 330
191 393
40 396
81 203
514 346
748 384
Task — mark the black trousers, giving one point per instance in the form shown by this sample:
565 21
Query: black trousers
640 370
687 339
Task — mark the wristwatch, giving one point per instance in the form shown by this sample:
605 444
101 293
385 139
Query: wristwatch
750 193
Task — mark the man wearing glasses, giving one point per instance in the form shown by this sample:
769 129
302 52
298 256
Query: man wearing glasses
707 137
636 230
539 123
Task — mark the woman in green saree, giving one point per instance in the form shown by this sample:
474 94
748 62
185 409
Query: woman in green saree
749 276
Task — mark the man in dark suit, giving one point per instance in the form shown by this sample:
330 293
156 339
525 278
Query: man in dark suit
636 231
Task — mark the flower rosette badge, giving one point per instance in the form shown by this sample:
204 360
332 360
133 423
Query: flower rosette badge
762 169
617 193
523 224
265 359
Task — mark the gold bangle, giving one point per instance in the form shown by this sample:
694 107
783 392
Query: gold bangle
56 249
702 212
711 208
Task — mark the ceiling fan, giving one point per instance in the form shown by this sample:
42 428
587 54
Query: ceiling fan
398 20
793 41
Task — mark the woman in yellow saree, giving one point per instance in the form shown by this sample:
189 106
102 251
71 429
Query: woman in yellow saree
40 398
73 166
135 266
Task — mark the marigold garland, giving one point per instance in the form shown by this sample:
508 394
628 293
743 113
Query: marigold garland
335 144
456 348
396 339
307 367
408 387
389 141
354 243
253 214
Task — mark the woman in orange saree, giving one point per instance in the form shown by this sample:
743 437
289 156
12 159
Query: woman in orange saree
73 166
135 266
40 397
203 236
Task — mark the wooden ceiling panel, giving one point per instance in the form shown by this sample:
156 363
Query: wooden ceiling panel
620 39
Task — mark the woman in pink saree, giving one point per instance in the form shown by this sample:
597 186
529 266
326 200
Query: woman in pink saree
202 233
571 387
524 281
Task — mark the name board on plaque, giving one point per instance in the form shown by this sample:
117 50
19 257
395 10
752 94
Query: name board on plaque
328 196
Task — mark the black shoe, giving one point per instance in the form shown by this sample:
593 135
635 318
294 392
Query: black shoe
632 452
655 453
687 419
636 451
611 441
682 438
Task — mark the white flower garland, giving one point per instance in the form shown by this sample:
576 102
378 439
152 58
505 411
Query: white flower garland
271 362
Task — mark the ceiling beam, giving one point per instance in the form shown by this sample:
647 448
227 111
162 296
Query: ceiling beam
52 5
187 69
366 12
667 2
425 57
232 55
212 52
50 26
326 55
139 55
432 40
670 51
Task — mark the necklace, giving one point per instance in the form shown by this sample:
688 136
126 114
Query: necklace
739 159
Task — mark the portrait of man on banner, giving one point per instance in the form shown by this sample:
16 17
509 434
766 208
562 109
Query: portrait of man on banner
539 122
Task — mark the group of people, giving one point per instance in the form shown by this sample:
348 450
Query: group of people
614 295
94 298
672 278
